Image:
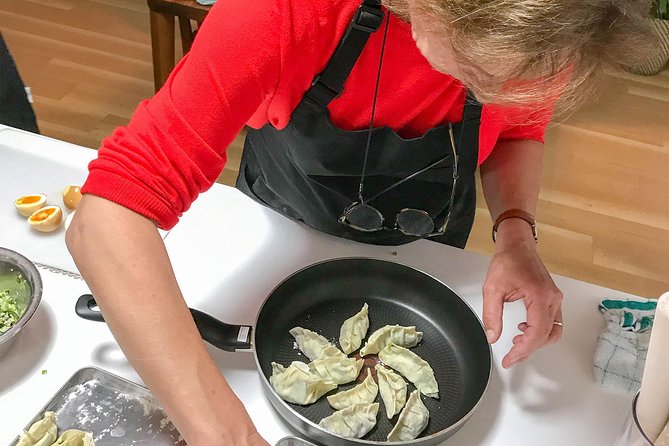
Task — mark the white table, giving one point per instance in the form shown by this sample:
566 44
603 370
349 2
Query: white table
229 252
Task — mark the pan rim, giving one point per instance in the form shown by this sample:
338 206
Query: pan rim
278 400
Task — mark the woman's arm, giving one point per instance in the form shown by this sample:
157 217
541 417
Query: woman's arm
511 177
123 259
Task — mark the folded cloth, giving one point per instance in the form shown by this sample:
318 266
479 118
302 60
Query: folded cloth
623 344
206 2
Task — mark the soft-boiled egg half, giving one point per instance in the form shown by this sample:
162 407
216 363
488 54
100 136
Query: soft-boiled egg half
28 204
47 219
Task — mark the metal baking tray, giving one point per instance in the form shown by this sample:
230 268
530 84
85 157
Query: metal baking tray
116 411
293 441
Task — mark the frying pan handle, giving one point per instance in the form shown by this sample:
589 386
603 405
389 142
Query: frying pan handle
219 334
86 308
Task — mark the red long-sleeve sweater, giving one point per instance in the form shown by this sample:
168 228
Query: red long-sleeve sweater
251 64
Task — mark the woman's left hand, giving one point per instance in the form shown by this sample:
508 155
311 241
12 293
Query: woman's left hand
517 272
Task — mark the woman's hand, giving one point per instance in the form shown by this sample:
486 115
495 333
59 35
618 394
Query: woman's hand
126 266
517 272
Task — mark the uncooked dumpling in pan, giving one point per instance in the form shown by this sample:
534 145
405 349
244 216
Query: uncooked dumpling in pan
297 384
353 422
413 367
393 390
313 345
338 370
412 421
391 334
354 330
365 393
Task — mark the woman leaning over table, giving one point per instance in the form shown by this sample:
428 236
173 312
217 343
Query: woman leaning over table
308 154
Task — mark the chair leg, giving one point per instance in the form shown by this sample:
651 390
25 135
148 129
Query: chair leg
186 34
162 46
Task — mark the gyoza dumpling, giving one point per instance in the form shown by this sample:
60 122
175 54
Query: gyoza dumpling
75 437
391 334
353 422
313 345
296 384
412 421
413 367
354 330
339 370
393 390
363 393
42 433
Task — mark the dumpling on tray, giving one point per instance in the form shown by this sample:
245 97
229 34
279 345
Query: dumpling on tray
353 422
413 367
354 330
297 384
365 392
42 432
412 421
74 437
391 334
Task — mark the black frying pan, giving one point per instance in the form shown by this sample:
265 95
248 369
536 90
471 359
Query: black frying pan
321 296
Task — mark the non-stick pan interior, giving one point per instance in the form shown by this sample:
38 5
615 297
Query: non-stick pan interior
322 296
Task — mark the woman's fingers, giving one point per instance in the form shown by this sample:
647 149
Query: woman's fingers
556 332
493 307
541 313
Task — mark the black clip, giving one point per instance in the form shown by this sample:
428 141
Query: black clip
367 18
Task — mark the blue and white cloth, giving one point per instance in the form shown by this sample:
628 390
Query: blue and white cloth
623 344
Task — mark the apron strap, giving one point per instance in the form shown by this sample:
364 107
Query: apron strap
330 83
472 110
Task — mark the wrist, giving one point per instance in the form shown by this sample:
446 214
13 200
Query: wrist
514 232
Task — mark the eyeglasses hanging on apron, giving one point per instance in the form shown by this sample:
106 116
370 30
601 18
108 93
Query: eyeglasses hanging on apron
360 215
310 171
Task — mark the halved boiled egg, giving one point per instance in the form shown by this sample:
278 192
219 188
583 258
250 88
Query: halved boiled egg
28 204
46 219
72 196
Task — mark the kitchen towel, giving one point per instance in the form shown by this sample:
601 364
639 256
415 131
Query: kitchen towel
623 344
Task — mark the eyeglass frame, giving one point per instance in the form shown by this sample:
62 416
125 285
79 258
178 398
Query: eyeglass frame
442 229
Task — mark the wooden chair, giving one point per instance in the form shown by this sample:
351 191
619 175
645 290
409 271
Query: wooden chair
163 14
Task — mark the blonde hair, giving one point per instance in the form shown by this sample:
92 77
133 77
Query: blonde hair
550 48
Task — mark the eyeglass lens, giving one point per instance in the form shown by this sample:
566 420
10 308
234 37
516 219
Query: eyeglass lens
415 222
363 217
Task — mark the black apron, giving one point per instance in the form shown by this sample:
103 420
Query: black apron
310 171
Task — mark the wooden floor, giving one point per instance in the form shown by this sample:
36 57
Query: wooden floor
604 207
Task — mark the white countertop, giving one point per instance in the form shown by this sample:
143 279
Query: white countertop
229 253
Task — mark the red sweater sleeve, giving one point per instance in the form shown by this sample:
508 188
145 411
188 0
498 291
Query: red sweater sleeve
174 146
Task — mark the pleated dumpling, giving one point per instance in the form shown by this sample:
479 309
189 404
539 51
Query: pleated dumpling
42 433
413 367
354 330
391 334
339 370
412 421
353 422
365 393
75 437
313 345
297 384
393 390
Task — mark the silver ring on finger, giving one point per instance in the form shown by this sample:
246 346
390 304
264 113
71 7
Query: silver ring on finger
558 323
